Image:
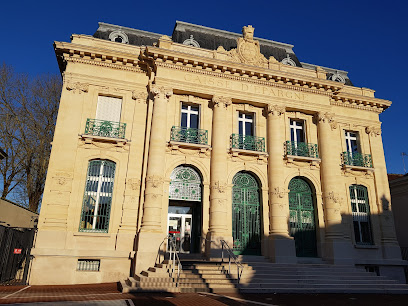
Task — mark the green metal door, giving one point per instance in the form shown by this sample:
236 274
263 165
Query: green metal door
246 227
302 224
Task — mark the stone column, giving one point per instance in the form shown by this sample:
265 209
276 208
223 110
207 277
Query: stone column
151 234
218 177
336 249
389 244
281 245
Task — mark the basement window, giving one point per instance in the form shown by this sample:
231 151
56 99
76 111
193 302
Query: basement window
88 264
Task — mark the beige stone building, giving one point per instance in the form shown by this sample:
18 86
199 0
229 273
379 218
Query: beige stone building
210 136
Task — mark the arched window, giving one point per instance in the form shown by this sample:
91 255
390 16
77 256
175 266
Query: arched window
98 196
185 184
361 214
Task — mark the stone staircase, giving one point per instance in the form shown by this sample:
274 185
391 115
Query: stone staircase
262 276
196 276
266 277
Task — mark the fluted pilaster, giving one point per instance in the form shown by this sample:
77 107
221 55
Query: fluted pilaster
218 184
154 177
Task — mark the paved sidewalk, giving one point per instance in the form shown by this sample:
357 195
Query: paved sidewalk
109 295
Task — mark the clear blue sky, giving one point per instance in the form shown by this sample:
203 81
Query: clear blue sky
366 38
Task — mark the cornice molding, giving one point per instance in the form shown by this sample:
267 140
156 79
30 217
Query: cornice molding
103 64
243 79
360 102
164 56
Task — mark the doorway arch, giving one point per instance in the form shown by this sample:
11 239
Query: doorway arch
246 223
184 212
302 217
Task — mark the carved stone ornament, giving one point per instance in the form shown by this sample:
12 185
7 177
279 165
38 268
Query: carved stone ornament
77 87
248 50
219 186
279 192
154 180
334 197
133 183
139 95
221 101
373 130
275 110
161 92
327 118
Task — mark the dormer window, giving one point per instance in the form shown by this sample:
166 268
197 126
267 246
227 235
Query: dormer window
288 61
119 36
337 78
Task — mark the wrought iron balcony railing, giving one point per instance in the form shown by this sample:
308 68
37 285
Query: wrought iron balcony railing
357 159
104 128
189 135
301 149
246 142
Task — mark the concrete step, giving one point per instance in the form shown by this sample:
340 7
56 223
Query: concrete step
324 290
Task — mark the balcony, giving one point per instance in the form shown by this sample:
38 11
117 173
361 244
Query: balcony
303 152
248 143
189 135
102 128
301 149
357 160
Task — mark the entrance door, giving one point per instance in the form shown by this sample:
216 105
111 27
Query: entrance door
179 226
246 227
302 218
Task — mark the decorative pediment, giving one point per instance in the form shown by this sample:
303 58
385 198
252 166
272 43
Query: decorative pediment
248 51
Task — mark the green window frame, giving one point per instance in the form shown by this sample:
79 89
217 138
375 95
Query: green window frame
96 205
360 208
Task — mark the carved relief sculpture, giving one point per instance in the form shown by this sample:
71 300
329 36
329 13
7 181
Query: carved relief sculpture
275 110
248 50
218 101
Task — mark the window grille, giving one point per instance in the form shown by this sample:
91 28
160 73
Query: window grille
98 196
361 214
185 184
88 265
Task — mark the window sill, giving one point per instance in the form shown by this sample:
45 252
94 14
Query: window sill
303 158
93 234
189 145
235 152
89 139
366 246
358 168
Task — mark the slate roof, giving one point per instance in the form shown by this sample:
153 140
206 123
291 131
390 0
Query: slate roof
209 38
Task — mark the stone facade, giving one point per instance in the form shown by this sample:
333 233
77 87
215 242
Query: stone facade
141 149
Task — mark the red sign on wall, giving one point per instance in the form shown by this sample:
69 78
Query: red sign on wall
17 251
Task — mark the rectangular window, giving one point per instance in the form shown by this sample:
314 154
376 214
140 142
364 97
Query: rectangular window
297 133
361 214
98 196
246 124
190 116
88 264
109 109
352 142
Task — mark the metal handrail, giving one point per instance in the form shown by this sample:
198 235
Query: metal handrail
172 258
240 267
173 251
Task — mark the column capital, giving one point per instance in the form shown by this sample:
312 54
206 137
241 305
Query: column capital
219 101
275 110
373 130
161 92
326 117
